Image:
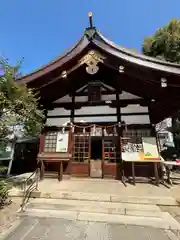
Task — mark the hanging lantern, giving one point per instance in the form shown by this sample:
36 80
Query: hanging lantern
163 82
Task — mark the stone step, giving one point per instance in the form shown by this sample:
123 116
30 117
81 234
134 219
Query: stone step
165 221
86 196
110 198
95 207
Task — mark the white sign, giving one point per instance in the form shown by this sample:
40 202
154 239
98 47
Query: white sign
131 156
150 148
62 142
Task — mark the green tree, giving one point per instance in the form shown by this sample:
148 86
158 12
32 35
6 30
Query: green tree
19 106
165 43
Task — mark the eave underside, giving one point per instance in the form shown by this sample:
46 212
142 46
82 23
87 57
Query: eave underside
138 79
166 102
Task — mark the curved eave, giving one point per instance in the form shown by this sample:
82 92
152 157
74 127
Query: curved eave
135 58
56 63
93 36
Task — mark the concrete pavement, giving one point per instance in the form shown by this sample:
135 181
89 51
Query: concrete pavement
99 209
53 228
105 190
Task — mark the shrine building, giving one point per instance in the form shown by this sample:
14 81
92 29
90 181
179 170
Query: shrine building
100 97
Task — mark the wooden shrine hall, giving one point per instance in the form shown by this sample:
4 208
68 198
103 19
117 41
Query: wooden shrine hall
101 99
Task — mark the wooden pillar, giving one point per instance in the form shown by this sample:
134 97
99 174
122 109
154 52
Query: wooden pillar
118 148
153 131
72 108
71 134
153 134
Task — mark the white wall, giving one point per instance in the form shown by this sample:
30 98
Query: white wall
95 110
123 95
138 119
126 95
134 109
58 111
96 119
143 119
56 121
108 97
69 99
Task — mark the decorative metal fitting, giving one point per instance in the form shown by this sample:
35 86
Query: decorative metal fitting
121 69
91 60
64 74
163 82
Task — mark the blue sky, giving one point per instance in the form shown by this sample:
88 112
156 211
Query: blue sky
39 30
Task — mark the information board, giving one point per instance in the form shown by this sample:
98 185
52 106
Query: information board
149 151
62 142
150 148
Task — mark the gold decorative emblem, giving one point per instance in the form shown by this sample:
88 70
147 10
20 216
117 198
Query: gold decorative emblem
92 58
121 69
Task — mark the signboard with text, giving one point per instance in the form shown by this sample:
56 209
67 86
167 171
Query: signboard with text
62 142
147 151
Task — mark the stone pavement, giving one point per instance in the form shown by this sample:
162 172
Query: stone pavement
108 190
99 209
53 228
105 190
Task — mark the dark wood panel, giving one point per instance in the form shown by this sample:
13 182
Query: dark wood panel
78 169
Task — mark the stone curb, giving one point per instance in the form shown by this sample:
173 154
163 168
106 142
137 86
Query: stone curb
166 201
14 225
156 222
20 193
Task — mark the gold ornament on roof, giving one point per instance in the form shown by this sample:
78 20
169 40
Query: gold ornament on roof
121 69
64 74
91 59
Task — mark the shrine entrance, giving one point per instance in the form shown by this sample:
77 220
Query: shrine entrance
96 148
96 157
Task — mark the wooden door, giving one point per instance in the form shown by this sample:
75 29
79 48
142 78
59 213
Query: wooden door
96 160
96 168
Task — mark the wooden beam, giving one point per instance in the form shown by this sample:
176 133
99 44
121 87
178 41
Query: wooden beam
105 92
118 110
118 144
100 115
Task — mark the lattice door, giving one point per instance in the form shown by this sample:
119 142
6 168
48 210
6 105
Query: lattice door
110 150
81 148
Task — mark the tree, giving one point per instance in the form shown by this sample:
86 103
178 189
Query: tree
165 43
19 106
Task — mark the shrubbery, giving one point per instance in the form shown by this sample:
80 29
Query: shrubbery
4 188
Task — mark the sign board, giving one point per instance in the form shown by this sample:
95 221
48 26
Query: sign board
5 150
149 151
62 142
150 148
132 156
